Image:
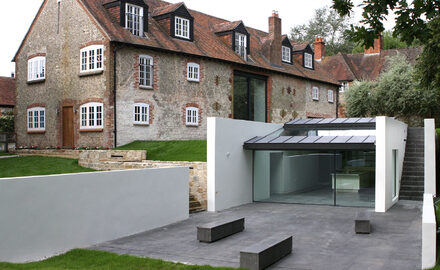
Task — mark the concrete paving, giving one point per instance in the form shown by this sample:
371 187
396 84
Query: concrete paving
323 238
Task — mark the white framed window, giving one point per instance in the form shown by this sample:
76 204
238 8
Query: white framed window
193 72
134 19
92 115
192 116
37 68
344 87
285 54
141 114
181 27
146 71
241 45
92 58
330 96
36 119
308 60
315 93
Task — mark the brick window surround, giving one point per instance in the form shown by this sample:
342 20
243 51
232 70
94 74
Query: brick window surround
184 115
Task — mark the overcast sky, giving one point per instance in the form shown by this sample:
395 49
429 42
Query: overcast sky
254 13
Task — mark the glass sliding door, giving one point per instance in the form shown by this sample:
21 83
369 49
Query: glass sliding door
344 178
249 97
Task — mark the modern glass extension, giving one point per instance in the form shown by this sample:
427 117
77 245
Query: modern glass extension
328 163
249 97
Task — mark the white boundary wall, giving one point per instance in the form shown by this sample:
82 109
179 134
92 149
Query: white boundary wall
429 234
229 166
46 215
430 187
390 134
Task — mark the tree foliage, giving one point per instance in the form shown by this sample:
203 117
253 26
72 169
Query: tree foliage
389 42
411 19
325 23
7 122
395 93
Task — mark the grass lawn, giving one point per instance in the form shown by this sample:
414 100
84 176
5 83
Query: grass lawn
36 165
6 154
170 150
97 260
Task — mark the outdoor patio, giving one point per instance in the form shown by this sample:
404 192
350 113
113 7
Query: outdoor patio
323 238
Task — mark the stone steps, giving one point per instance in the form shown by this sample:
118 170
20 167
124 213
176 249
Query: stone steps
194 205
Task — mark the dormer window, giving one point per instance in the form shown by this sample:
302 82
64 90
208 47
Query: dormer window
241 45
308 60
134 19
182 27
286 54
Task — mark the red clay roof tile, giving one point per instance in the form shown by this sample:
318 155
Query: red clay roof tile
7 91
206 43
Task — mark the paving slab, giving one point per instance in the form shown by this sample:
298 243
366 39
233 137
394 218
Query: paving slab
323 237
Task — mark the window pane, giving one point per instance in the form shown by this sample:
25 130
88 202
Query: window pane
30 119
91 116
83 116
42 119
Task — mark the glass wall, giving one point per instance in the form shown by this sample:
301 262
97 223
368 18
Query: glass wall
249 97
315 177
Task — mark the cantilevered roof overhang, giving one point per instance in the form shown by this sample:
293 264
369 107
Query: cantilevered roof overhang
311 143
294 142
332 123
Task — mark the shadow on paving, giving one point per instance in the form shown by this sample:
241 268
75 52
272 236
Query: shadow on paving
323 238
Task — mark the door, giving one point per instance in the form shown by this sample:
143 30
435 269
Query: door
68 127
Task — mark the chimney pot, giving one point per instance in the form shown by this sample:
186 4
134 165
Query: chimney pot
274 13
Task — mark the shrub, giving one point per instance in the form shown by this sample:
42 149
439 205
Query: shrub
7 122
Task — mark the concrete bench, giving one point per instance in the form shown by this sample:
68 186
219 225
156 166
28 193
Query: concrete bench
214 231
266 252
362 222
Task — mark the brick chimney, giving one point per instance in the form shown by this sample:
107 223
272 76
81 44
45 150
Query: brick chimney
319 46
377 46
275 39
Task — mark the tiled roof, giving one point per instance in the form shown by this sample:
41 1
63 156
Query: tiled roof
360 66
7 91
166 9
205 44
226 26
300 46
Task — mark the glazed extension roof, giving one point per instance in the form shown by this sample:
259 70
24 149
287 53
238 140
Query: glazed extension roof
206 43
360 66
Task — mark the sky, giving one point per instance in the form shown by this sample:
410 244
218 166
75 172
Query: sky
254 13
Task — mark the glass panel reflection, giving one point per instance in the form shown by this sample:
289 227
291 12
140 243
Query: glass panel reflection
308 177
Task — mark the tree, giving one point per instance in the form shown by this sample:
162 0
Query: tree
395 93
328 24
389 42
411 21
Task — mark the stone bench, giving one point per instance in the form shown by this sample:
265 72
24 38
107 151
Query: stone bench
214 231
266 252
362 222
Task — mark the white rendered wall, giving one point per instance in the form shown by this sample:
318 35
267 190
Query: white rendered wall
229 166
428 232
390 134
46 215
430 156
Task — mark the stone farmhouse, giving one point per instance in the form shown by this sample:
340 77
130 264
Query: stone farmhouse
349 68
7 94
105 73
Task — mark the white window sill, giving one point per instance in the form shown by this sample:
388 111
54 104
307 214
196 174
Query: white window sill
192 125
145 87
315 99
90 73
330 101
192 80
36 81
141 124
